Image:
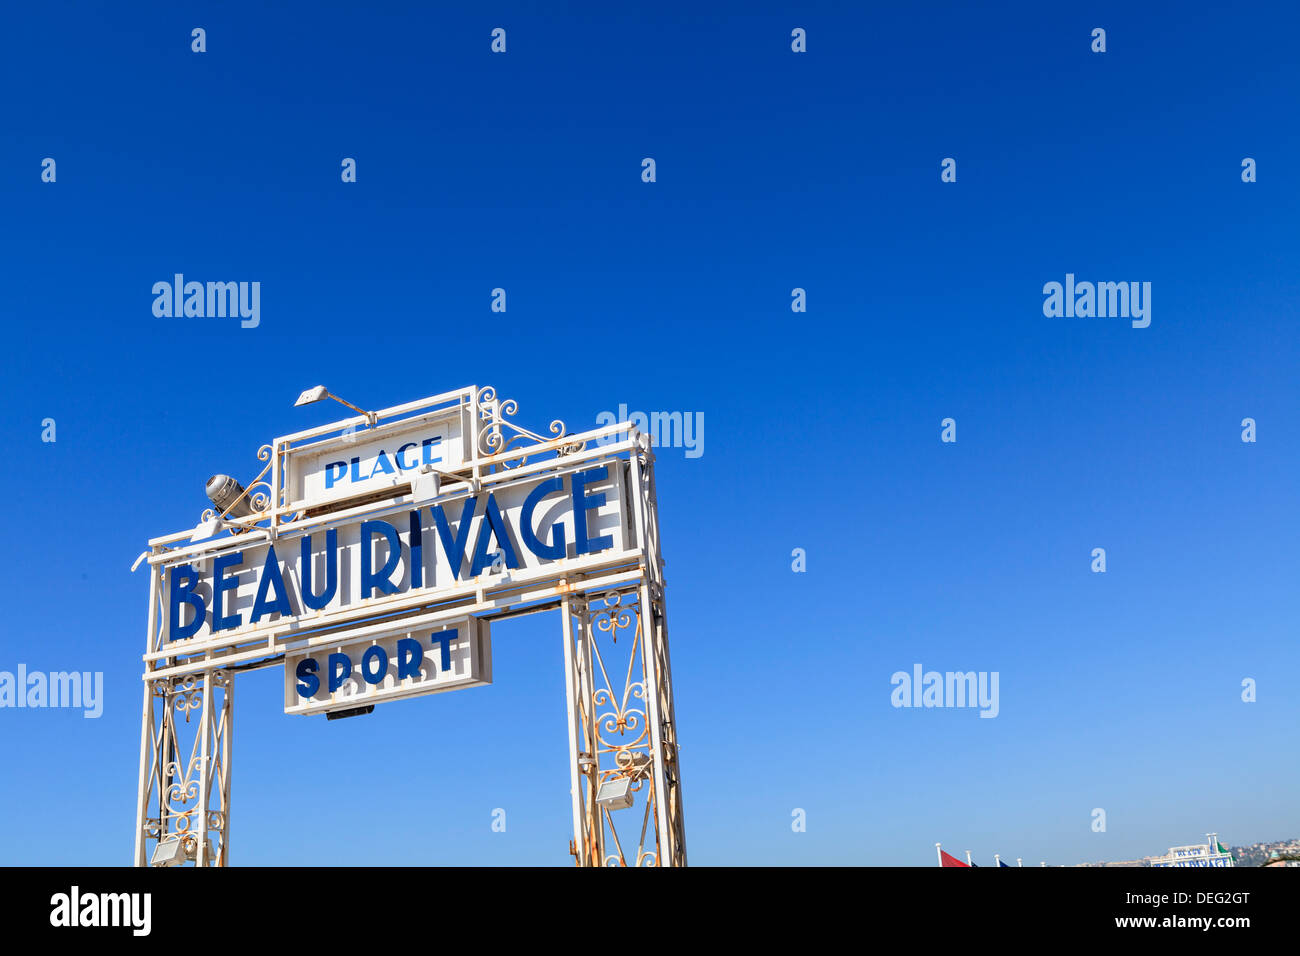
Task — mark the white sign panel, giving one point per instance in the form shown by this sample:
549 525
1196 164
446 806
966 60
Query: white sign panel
373 459
367 562
401 661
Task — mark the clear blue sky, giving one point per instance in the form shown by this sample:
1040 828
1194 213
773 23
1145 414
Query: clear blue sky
775 170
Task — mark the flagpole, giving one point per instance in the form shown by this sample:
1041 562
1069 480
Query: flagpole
968 857
1018 863
938 854
997 860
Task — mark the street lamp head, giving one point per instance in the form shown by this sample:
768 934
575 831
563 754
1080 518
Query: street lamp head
311 395
320 392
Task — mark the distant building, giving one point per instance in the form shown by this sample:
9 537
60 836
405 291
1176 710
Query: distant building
1210 853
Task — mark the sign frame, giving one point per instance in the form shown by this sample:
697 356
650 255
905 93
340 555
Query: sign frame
602 594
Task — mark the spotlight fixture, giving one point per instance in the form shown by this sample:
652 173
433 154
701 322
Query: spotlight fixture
168 853
177 851
615 793
229 497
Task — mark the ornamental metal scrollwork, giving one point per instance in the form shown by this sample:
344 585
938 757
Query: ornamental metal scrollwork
188 695
494 413
614 616
185 790
646 858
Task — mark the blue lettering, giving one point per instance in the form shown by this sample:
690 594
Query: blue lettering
331 476
582 503
340 668
445 639
455 547
271 581
416 547
220 585
383 464
331 570
182 592
378 579
409 657
308 682
380 657
494 525
556 548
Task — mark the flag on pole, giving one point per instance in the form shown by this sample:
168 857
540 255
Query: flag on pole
1000 863
1222 850
947 859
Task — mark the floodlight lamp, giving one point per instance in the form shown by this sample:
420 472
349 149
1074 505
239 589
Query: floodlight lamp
615 793
168 853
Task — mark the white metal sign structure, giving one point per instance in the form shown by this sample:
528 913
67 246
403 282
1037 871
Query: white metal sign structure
369 559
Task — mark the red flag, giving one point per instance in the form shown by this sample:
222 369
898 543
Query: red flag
947 859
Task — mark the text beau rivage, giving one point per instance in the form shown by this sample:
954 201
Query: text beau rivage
517 526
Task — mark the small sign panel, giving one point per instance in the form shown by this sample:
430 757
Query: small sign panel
373 459
402 661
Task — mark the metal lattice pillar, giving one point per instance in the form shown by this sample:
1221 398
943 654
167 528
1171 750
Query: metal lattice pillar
148 751
622 758
671 820
184 793
587 846
658 670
